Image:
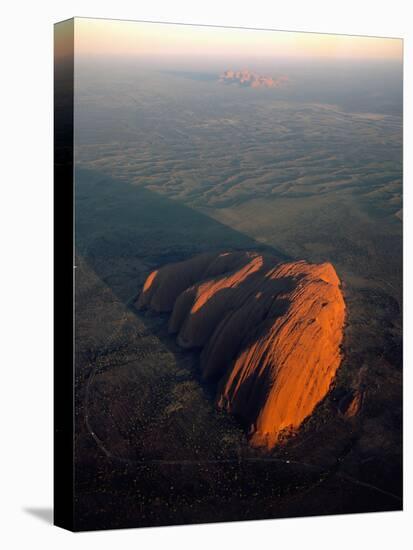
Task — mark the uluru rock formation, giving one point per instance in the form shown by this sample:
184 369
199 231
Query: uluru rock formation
270 332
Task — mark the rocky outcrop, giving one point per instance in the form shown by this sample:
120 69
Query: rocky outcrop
253 80
270 332
354 404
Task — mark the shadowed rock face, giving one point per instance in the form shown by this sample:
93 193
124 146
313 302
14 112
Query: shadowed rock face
270 332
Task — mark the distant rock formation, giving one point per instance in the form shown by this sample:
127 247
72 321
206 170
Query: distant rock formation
252 80
270 332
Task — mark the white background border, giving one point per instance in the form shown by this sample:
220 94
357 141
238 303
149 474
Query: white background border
26 37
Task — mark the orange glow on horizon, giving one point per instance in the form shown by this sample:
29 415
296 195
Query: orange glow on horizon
130 38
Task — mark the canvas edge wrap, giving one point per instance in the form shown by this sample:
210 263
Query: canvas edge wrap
64 281
63 275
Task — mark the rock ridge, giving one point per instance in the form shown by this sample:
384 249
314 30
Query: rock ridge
270 332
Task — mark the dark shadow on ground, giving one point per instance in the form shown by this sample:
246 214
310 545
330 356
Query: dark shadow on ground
116 218
44 514
124 231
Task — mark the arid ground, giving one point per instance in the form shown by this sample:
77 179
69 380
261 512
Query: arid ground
171 164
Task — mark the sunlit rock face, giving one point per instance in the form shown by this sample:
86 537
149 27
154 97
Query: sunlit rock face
270 333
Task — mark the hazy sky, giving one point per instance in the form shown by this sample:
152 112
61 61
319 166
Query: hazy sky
129 38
